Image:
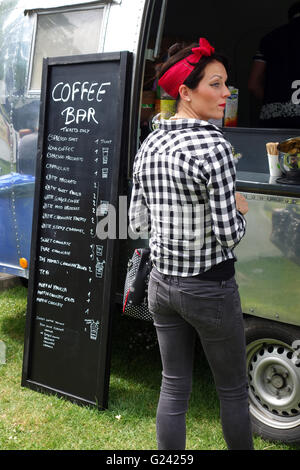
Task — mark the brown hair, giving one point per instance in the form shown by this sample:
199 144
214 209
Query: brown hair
180 51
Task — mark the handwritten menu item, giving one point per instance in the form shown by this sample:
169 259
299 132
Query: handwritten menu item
70 295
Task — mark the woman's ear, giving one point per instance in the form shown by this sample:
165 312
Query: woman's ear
184 92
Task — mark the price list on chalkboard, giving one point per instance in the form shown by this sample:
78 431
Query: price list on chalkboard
66 343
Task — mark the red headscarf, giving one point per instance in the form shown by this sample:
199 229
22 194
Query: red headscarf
176 75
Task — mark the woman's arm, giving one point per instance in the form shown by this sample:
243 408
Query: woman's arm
139 215
228 224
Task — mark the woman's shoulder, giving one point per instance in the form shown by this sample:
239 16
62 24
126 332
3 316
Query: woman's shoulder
211 136
187 136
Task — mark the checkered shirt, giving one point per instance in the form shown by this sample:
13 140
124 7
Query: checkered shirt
183 196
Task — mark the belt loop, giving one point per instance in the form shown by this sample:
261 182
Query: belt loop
223 284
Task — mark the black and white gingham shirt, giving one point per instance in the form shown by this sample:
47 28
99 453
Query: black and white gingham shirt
184 194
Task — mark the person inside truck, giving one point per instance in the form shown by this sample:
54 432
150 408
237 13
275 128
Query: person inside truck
274 78
184 178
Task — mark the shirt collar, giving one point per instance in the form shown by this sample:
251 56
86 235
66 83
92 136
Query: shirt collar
176 124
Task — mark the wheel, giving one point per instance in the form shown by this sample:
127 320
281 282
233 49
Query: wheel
273 366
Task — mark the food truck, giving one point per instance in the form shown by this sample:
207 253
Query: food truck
268 266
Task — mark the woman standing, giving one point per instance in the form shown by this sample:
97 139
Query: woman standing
184 193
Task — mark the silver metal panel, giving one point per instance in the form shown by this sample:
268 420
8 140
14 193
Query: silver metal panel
124 26
268 267
19 110
18 139
32 5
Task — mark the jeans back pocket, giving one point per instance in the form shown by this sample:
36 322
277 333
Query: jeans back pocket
202 312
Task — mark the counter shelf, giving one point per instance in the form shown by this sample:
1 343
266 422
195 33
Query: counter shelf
265 184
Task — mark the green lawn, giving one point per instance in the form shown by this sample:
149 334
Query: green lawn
34 421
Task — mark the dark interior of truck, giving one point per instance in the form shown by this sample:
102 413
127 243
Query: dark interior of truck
233 28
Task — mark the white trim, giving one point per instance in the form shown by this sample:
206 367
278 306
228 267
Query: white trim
30 92
38 5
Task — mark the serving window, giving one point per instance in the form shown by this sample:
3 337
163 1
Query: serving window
234 29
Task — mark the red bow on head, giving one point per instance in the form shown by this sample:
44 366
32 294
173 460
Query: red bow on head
204 49
177 74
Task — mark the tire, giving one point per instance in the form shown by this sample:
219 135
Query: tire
273 366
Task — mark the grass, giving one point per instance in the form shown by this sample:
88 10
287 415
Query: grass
35 421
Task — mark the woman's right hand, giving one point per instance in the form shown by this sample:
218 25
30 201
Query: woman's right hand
241 203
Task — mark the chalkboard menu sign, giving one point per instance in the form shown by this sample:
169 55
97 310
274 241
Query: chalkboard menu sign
82 144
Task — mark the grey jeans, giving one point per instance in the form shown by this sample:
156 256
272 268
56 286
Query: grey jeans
181 309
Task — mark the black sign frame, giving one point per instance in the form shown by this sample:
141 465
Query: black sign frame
122 61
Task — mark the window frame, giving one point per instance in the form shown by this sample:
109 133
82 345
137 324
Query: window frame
30 92
138 77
